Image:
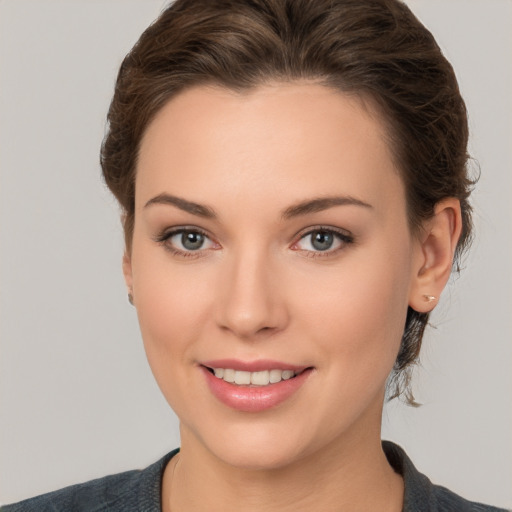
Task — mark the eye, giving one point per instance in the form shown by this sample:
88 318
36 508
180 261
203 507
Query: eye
322 240
188 240
185 241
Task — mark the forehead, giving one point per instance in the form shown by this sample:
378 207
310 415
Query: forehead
283 136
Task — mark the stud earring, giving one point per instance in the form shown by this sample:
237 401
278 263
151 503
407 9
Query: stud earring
130 298
429 298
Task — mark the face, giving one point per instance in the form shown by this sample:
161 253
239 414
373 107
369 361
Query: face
271 246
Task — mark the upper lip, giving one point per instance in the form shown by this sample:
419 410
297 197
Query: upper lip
258 365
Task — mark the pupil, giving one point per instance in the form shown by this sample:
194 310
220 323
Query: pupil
322 240
191 240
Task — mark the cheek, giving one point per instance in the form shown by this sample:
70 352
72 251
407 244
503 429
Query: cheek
358 316
172 307
171 316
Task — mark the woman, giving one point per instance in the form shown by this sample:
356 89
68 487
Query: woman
294 187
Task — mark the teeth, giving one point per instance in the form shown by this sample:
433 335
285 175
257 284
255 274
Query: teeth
242 378
275 376
229 375
263 378
260 378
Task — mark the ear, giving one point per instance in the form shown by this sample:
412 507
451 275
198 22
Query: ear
435 252
127 272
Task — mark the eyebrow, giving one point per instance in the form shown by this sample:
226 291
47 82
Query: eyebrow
322 203
303 208
187 206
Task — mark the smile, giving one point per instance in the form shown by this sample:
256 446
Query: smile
262 378
254 386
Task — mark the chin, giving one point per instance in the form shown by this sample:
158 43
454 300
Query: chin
254 456
258 444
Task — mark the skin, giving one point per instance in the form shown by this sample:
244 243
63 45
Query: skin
258 289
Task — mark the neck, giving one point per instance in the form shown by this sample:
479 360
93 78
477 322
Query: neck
350 474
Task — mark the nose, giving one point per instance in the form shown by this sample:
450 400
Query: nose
251 304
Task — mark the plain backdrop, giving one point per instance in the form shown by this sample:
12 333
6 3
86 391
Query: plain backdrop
77 399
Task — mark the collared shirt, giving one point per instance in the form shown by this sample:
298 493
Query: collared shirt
140 491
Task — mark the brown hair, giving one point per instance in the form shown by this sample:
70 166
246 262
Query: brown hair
376 49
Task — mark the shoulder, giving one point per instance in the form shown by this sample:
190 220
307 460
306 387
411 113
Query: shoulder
447 500
100 494
131 490
421 495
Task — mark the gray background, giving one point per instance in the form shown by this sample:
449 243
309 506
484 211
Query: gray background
77 397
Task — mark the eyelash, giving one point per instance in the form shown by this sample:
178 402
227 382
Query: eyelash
164 238
343 237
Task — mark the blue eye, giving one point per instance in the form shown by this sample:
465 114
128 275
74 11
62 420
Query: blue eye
323 240
189 240
185 241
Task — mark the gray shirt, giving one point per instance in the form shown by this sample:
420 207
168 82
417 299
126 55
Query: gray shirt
140 491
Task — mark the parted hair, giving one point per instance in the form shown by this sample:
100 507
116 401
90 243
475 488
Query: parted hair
375 49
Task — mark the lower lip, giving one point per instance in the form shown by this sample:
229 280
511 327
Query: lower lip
254 398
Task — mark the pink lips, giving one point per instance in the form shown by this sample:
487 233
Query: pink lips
253 398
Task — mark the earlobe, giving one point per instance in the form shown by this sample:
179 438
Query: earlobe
435 255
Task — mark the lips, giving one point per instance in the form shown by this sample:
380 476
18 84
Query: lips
253 386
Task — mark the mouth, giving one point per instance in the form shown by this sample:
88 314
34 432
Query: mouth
254 386
254 379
